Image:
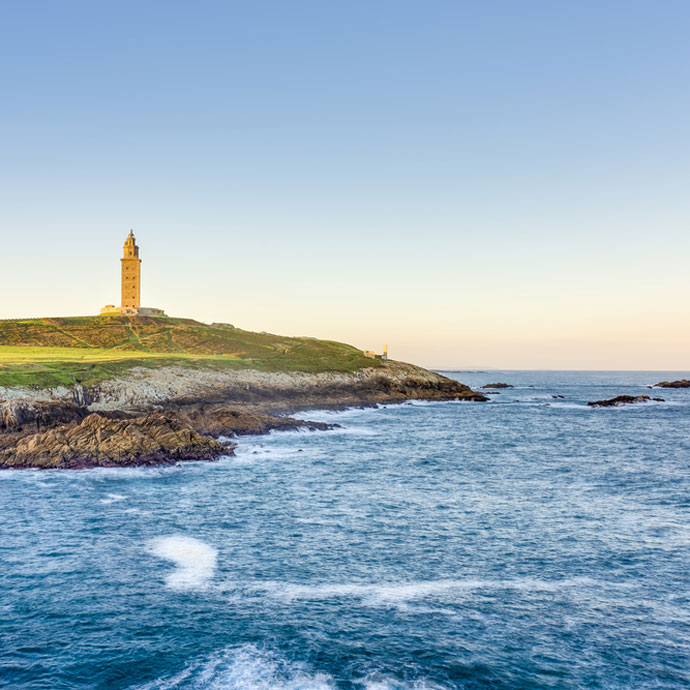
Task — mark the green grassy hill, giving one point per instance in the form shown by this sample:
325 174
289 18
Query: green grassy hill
62 351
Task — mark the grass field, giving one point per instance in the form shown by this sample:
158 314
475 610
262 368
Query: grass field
40 353
24 355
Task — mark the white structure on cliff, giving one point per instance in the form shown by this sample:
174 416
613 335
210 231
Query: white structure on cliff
372 355
130 284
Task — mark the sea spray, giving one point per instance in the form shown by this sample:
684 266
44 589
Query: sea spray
195 560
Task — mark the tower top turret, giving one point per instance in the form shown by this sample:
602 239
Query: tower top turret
131 248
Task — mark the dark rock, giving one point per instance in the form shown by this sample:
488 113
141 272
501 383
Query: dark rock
559 397
498 385
622 400
227 420
31 415
683 383
155 438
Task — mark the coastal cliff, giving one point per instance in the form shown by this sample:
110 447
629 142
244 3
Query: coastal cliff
278 392
183 386
169 414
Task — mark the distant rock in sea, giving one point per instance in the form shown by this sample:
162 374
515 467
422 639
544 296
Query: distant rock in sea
621 400
497 385
683 383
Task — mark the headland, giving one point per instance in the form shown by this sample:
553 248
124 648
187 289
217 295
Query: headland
128 390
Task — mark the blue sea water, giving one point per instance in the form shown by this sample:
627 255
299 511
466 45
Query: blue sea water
529 542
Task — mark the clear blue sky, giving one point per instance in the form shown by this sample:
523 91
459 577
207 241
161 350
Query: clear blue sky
476 183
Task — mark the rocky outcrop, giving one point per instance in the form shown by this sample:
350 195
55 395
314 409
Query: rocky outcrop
23 415
223 420
65 435
683 383
497 385
101 442
623 400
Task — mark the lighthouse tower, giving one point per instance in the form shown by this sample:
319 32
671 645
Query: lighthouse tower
130 280
131 274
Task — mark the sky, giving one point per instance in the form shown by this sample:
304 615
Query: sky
477 184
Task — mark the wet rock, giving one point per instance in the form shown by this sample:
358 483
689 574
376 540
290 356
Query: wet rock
682 383
497 385
35 415
80 395
97 441
225 420
621 400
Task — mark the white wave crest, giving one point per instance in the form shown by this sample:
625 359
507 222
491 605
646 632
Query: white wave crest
244 668
195 560
377 683
113 498
250 668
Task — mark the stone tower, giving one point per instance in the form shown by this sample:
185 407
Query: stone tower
131 285
131 274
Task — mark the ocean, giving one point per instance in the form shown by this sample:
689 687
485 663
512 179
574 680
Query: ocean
528 542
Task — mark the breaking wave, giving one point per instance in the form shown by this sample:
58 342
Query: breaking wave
250 668
113 498
195 560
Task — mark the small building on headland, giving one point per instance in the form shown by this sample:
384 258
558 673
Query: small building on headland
130 293
372 355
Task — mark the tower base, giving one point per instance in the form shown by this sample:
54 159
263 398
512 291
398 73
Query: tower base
112 310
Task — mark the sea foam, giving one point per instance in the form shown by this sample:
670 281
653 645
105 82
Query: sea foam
113 498
250 668
244 668
399 594
195 560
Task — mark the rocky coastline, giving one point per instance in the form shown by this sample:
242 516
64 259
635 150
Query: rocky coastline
162 416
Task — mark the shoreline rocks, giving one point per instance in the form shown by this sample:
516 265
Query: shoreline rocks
144 388
161 416
225 420
621 400
20 414
682 383
97 441
73 438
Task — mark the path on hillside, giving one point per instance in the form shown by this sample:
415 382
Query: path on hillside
47 322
